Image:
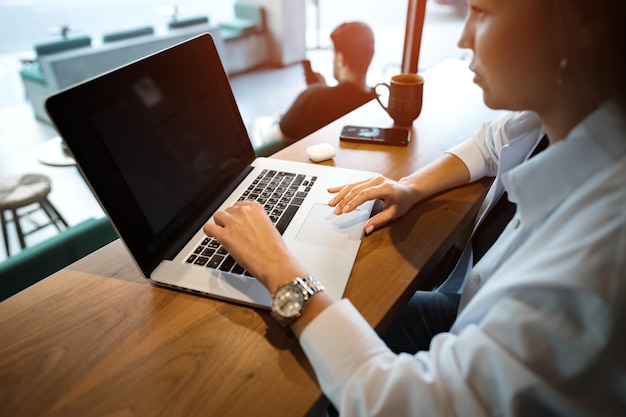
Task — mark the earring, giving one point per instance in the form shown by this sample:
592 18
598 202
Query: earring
560 76
562 67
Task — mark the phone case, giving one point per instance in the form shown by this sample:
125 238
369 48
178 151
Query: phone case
375 135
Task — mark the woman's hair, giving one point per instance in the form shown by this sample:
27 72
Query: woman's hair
602 67
616 35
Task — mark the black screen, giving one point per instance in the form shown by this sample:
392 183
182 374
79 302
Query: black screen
159 141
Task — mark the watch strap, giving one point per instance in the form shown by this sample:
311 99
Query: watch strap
309 286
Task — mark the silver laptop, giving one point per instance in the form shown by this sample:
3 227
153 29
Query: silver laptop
162 145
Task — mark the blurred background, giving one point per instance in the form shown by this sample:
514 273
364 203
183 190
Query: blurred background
264 79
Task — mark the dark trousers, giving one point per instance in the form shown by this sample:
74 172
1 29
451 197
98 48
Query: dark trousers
425 315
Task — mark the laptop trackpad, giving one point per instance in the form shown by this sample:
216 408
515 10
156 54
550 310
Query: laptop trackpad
323 227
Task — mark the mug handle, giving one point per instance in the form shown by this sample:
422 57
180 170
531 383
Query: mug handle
378 95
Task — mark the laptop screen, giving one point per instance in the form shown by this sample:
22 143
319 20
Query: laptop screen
160 142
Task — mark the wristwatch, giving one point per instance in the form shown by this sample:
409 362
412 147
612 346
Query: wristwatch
290 299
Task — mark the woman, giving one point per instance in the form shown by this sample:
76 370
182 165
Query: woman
540 325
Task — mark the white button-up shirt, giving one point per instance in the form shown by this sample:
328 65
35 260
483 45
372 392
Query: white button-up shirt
541 331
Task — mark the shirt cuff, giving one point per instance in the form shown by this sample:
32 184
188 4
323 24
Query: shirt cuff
469 153
337 342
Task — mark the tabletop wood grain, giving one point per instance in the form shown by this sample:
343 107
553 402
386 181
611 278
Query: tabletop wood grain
97 339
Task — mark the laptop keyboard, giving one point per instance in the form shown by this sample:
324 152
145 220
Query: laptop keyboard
280 193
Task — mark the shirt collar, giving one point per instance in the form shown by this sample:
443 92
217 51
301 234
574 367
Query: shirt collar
540 184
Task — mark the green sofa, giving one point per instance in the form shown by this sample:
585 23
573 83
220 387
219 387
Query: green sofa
190 21
55 71
245 38
127 34
37 262
249 19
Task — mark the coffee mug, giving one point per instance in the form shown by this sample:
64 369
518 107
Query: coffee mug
405 98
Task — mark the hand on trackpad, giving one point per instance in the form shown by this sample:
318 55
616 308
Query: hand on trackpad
323 227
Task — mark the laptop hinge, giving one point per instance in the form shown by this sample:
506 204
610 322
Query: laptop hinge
204 215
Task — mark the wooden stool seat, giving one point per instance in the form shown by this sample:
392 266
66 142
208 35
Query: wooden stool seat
20 192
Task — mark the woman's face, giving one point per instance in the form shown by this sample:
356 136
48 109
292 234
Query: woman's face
516 52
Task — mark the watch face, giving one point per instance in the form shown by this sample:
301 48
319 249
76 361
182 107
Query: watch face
288 301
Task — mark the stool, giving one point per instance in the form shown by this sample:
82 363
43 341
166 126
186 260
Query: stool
20 192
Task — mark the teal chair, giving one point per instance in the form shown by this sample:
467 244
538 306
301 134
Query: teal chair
31 71
249 19
189 21
37 262
127 34
53 47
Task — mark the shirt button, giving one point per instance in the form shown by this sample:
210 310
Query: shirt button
516 223
476 278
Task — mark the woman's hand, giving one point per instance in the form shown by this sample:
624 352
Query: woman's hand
398 198
444 173
246 231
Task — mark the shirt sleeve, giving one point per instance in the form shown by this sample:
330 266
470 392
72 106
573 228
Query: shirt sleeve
361 376
514 357
481 152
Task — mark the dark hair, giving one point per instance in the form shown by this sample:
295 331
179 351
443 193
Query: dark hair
355 40
603 64
615 48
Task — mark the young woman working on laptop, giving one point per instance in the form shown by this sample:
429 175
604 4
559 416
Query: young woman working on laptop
540 322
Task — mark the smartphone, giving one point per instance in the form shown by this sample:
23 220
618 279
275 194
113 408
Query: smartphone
383 136
306 66
309 76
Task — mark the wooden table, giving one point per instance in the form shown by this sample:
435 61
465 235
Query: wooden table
97 339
